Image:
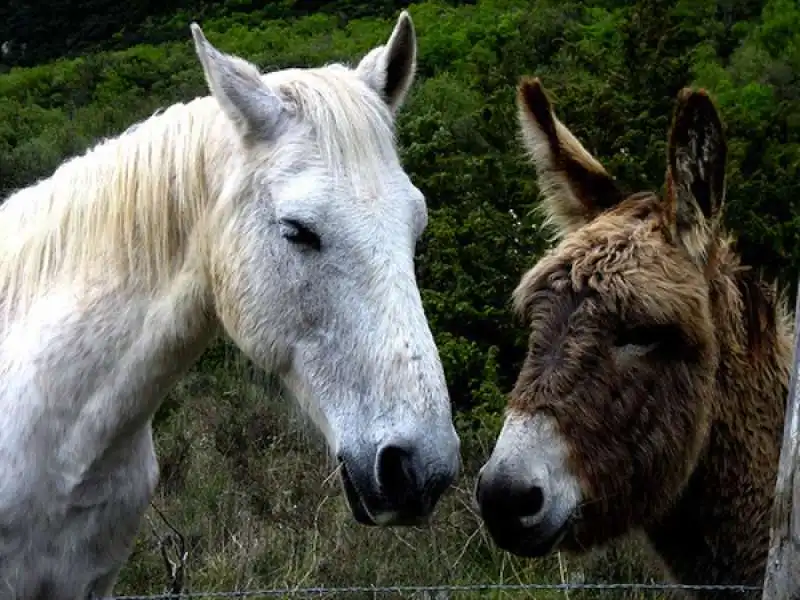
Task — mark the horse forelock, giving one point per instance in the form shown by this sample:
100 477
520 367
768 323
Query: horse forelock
353 126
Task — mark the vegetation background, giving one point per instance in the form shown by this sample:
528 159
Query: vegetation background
244 482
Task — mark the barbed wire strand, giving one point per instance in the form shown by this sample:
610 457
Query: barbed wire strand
412 589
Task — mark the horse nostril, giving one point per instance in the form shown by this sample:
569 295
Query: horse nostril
394 471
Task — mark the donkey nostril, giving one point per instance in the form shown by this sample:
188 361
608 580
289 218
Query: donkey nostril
531 502
524 502
395 475
507 500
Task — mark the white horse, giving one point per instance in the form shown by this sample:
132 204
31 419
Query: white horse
275 208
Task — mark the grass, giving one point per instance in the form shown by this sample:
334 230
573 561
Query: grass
246 483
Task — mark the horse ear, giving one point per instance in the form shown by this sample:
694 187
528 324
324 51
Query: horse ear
390 69
575 186
254 109
695 187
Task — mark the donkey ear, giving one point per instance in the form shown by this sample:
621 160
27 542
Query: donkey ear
575 186
696 169
390 69
254 109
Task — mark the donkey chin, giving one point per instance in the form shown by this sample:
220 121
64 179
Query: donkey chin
526 495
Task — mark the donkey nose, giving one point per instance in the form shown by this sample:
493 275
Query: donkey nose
411 482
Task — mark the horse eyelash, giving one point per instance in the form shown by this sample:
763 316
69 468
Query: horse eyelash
303 235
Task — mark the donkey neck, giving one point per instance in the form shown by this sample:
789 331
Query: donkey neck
718 531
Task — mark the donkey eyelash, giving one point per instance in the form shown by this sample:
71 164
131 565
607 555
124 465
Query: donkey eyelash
648 335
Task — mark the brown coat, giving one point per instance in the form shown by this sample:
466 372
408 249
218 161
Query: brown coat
664 361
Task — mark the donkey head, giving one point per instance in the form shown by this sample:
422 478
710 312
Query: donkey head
612 406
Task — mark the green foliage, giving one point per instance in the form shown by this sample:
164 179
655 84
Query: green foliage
613 68
37 31
758 91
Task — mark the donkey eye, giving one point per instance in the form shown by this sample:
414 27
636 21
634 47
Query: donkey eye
300 234
648 336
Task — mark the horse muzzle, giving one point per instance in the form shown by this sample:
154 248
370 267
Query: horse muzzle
396 484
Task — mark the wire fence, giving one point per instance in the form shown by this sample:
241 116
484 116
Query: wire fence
447 590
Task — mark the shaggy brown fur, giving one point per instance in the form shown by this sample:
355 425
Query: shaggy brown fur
664 361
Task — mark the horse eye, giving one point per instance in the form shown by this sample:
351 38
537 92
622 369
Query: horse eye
300 234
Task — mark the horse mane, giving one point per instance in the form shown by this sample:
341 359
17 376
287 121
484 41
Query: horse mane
130 202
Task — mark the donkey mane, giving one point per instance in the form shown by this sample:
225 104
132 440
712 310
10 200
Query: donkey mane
761 306
133 199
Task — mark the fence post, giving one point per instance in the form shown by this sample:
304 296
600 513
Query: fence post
782 580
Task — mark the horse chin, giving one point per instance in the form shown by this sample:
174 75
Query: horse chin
364 516
354 500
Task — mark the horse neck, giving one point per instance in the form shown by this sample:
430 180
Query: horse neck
115 292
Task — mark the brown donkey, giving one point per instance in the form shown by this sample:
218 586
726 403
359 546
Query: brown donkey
652 395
